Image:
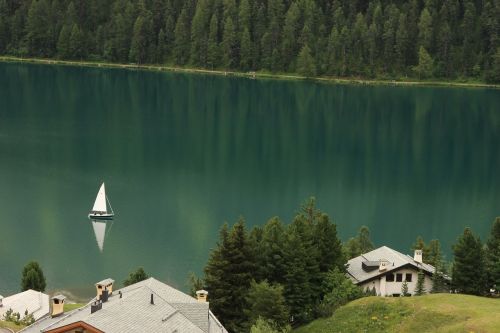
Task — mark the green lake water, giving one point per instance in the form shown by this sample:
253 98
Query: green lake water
181 154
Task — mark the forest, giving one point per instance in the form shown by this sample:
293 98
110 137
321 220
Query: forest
398 39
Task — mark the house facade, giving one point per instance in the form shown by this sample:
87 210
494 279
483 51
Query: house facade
146 306
385 270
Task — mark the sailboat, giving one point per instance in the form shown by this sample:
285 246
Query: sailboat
100 209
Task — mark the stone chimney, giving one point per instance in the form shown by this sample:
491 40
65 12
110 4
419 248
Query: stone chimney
418 256
104 285
57 305
202 295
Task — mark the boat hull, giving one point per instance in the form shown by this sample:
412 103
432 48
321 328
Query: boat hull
93 216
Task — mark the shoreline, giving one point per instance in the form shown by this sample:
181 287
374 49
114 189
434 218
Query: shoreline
251 75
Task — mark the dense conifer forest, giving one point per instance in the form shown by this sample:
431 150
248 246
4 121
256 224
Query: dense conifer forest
444 39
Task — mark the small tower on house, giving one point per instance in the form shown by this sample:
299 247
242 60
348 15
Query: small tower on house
104 289
202 295
57 305
418 256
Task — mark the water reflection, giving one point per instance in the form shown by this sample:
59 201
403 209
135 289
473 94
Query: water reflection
99 227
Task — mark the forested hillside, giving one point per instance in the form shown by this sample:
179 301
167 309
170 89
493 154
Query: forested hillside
378 39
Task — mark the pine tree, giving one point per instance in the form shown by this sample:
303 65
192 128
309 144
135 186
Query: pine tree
434 255
32 277
136 276
38 27
182 38
404 289
199 34
76 43
63 44
213 44
365 243
425 30
161 48
290 32
468 273
228 275
425 66
420 287
229 44
493 256
246 51
272 255
138 47
305 62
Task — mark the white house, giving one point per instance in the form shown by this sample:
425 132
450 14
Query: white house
386 269
35 302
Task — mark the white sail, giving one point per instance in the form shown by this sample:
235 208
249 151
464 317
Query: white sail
100 232
100 200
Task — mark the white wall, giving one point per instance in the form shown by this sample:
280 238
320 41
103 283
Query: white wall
387 288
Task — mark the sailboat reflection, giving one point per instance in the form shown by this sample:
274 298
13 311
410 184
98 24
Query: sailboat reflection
99 227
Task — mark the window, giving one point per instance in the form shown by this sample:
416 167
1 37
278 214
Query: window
389 277
408 277
396 295
56 301
399 277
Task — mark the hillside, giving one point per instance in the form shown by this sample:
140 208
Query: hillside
431 313
414 39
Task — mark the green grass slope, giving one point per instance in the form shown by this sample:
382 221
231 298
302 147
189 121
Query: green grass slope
430 313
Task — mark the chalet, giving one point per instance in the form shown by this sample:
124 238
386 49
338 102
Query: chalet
146 306
386 269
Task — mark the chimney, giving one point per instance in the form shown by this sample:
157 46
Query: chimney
383 265
57 305
120 293
418 256
1 298
152 300
104 296
106 284
95 306
202 295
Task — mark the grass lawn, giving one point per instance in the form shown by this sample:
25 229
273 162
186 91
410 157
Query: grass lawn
72 306
430 313
12 326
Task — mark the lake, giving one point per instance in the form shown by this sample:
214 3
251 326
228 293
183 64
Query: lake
181 154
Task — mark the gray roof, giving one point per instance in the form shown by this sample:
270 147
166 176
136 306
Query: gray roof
172 311
59 297
105 282
35 302
394 258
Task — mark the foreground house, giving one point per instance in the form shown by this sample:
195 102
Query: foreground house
386 269
35 302
147 306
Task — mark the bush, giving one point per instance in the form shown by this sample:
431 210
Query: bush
339 290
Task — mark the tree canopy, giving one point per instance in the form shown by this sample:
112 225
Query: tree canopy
408 38
32 277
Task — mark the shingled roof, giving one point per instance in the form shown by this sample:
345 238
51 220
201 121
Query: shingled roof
394 259
172 311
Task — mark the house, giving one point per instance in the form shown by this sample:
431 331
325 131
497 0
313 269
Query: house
34 302
146 306
386 269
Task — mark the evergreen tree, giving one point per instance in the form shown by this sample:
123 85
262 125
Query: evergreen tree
229 45
228 275
38 27
195 284
139 45
439 282
493 256
420 287
425 64
404 288
136 276
32 277
365 243
63 44
425 30
246 50
162 47
266 301
272 255
182 38
199 34
76 43
305 62
213 44
468 273
434 257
